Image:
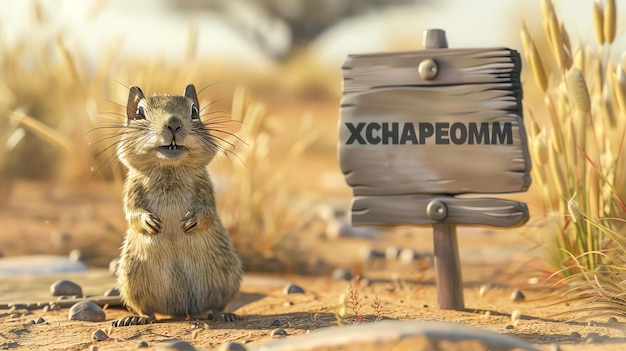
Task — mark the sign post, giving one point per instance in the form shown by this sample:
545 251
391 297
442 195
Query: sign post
418 128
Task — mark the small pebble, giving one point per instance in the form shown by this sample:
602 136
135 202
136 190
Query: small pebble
407 256
575 335
425 305
612 320
177 346
32 321
99 335
65 288
368 253
50 307
15 316
278 333
276 323
142 344
593 337
86 311
517 296
392 253
40 320
232 346
341 274
509 326
112 292
293 289
287 303
515 315
76 255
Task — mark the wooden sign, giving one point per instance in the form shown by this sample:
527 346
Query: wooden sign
456 131
418 128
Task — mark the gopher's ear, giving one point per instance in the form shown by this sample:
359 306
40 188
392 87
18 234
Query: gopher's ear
190 92
134 96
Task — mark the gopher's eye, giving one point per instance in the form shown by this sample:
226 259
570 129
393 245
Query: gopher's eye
195 114
141 112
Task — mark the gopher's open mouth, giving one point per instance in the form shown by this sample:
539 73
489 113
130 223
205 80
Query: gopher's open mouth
171 151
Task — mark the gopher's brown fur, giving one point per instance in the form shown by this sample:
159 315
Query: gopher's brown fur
177 259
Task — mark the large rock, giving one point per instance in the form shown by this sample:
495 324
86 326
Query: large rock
420 335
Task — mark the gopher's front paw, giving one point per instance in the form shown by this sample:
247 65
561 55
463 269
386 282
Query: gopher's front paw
190 222
151 223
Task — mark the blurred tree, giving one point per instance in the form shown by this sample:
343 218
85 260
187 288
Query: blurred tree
280 27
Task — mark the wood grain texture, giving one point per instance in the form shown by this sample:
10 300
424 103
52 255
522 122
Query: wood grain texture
430 168
411 210
456 66
448 264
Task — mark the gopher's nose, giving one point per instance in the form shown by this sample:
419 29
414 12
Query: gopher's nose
174 124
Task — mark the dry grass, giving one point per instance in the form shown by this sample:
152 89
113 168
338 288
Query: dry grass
579 153
52 103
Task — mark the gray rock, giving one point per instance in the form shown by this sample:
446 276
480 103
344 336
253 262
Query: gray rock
276 323
112 292
392 253
86 311
40 320
293 289
177 346
278 333
65 288
99 335
407 256
517 296
232 346
593 337
368 253
341 274
341 228
76 255
389 333
142 344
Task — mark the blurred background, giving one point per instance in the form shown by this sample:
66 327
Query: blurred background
66 67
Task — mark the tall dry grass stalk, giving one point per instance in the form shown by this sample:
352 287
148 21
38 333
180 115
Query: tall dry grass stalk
578 151
257 204
579 159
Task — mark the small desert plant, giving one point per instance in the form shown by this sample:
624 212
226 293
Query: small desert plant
578 153
355 302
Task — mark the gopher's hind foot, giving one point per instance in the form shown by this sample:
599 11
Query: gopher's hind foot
224 317
132 320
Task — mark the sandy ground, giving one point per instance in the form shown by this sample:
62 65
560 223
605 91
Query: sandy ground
503 260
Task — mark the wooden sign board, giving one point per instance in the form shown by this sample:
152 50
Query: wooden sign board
418 128
405 133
